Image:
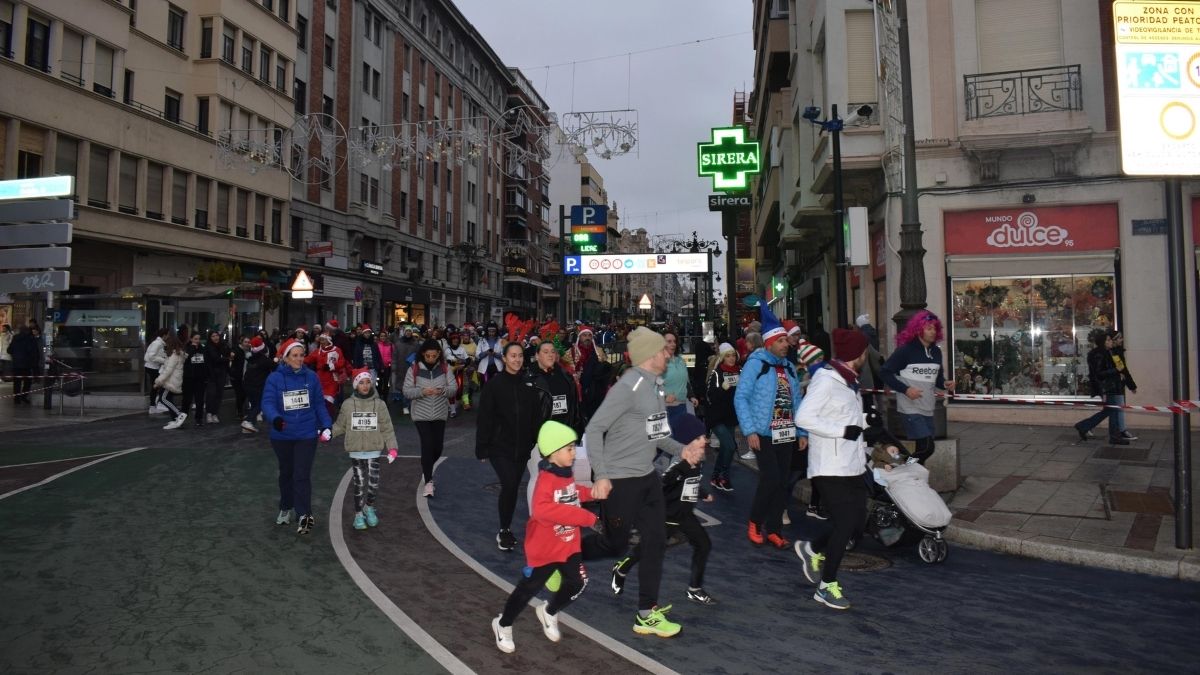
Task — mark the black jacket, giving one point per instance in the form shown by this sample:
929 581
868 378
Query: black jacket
217 358
508 418
550 386
258 367
1102 373
720 400
682 488
195 363
25 350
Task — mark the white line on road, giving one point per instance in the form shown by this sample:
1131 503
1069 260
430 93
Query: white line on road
52 461
56 476
403 621
599 637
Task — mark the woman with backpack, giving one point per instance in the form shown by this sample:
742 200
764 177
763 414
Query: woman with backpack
429 386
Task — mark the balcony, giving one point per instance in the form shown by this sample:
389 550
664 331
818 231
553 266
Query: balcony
516 213
1021 92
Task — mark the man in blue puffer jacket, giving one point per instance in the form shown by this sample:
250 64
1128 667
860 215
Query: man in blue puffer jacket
767 396
293 403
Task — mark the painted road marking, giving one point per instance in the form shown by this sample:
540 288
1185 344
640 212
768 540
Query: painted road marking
52 461
403 621
632 655
56 476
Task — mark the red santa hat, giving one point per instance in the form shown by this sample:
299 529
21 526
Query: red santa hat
792 327
257 344
301 329
361 374
333 323
366 328
585 329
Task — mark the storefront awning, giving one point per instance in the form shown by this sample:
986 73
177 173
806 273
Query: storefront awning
966 266
527 280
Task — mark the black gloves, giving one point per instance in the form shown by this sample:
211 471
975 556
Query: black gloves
852 433
873 419
277 423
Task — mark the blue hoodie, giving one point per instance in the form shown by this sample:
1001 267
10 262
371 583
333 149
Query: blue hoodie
754 399
303 421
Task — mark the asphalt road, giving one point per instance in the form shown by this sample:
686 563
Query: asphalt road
167 559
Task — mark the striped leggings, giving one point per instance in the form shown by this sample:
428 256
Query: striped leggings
364 471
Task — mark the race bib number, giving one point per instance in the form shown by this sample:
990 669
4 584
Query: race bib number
364 421
559 405
198 359
295 400
657 426
691 489
783 431
731 381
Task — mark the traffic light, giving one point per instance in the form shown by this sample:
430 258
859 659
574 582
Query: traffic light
589 242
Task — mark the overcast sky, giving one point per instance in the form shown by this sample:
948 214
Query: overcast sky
679 93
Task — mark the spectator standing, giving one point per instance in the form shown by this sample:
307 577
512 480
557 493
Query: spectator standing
195 378
1105 380
258 367
218 356
26 355
721 388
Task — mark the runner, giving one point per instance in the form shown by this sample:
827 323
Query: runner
170 380
721 416
428 386
367 425
914 371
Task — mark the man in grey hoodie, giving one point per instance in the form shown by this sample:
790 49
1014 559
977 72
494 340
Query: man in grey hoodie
621 440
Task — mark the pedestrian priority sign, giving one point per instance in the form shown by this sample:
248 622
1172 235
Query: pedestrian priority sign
729 159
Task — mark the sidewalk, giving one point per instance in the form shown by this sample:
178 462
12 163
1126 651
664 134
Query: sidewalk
1041 492
21 417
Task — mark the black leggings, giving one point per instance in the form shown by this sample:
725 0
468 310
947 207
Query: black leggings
433 437
774 466
364 474
194 392
689 525
845 499
574 580
634 502
509 471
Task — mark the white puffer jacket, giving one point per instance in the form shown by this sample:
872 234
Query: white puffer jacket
156 354
170 375
829 406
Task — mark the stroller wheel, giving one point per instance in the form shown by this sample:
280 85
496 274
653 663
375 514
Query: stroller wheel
928 549
943 549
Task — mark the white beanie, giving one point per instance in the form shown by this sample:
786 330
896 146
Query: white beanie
725 347
862 320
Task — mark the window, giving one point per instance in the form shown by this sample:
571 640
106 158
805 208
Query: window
154 190
228 35
433 217
175 20
1018 34
860 58
374 200
276 226
285 9
300 94
366 78
260 218
222 218
202 114
247 54
202 185
239 217
264 64
324 176
375 84
206 36
269 5
29 164
179 190
326 232
403 204
437 169
423 24
327 108
37 44
434 272
98 176
449 177
471 192
329 52
127 185
297 232
102 79
378 30
171 104
362 188
471 231
331 4
6 19
66 157
302 33
404 107
420 217
281 65
367 22
72 57
128 93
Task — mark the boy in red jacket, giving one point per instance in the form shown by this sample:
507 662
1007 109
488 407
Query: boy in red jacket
552 538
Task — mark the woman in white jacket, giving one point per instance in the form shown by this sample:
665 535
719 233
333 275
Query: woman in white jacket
832 414
170 380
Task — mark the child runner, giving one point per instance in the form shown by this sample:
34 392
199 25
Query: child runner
368 428
552 538
681 489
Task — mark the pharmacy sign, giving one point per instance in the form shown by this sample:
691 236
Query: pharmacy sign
729 158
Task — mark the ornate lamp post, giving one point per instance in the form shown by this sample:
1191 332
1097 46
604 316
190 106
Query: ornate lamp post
666 244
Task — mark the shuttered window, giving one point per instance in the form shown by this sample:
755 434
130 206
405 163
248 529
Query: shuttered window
154 190
179 185
66 157
860 58
127 198
104 68
201 203
1018 34
222 208
98 177
72 56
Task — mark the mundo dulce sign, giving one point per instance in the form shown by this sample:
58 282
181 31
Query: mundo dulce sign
1049 229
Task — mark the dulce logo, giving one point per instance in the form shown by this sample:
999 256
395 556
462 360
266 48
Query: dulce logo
1025 232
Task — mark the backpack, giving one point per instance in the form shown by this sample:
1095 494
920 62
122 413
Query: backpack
766 368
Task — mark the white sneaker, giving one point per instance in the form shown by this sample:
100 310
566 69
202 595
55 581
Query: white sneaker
259 418
177 422
787 520
549 623
714 442
249 427
406 412
428 489
504 641
748 455
157 409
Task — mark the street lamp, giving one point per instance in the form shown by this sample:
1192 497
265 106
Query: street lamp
834 126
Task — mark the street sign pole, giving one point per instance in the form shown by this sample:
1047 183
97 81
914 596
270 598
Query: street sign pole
1181 424
564 281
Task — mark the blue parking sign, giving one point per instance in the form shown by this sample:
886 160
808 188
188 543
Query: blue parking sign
589 214
573 265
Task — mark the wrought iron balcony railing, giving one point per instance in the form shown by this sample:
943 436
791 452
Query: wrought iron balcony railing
1020 92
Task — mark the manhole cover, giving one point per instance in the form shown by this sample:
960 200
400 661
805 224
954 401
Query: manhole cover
1141 502
1122 454
864 562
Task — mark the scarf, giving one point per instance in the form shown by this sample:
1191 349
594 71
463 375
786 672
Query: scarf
847 373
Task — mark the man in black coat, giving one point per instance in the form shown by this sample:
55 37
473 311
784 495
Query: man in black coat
26 356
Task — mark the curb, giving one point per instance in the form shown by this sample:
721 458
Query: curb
1182 566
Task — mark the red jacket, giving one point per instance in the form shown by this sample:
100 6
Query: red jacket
552 534
332 369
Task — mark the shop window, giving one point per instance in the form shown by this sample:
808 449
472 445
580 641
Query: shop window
1028 336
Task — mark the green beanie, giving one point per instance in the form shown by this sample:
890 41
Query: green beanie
553 436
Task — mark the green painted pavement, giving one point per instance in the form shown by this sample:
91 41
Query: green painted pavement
169 560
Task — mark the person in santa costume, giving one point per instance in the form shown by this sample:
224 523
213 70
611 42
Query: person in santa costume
300 335
332 368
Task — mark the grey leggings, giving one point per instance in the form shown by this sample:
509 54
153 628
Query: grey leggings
364 471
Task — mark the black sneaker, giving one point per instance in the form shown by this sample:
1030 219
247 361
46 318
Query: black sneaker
1083 435
1128 436
1118 441
701 596
817 513
306 524
505 540
618 576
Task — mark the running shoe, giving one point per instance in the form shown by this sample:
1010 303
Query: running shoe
505 540
618 576
816 512
1128 436
504 641
371 516
811 559
306 524
549 623
831 596
428 489
700 595
755 535
778 542
249 428
177 422
726 486
655 623
715 483
284 517
360 522
748 455
1083 435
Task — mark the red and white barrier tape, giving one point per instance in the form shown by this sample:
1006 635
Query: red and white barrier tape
1184 406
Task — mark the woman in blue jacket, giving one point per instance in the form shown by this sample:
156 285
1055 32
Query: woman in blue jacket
292 401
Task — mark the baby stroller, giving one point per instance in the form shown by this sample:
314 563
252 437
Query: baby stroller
903 506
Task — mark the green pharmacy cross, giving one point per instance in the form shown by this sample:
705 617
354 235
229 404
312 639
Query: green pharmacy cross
729 159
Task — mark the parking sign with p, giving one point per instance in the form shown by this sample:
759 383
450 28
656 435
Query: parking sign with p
589 214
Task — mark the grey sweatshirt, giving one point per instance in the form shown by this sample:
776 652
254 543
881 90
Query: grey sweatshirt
618 439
